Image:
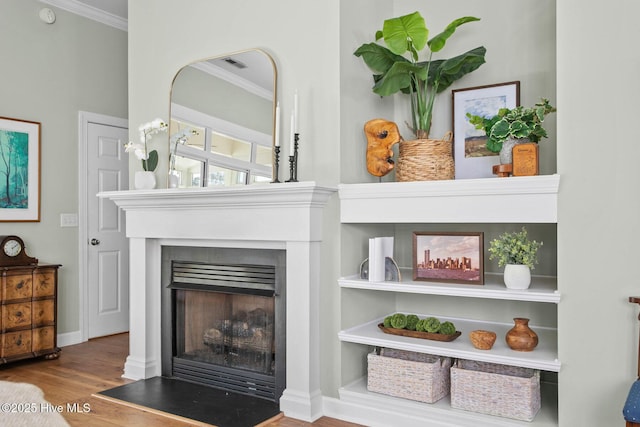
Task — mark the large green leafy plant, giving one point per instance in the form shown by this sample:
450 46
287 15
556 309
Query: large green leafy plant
421 80
517 123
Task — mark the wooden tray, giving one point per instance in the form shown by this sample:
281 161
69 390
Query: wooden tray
417 334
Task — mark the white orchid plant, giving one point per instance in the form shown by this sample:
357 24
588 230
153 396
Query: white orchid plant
179 138
141 151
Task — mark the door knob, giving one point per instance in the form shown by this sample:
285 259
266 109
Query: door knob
95 242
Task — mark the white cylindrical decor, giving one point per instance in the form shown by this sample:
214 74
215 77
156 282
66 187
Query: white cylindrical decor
517 276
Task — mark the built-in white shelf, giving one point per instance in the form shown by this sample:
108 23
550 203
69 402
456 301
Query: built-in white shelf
542 289
513 200
543 357
387 410
526 199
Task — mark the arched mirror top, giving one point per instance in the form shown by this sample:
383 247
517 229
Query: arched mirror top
221 129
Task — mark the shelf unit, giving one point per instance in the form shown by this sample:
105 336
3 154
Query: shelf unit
542 289
492 200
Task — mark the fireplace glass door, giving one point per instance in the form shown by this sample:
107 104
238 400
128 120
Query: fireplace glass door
230 330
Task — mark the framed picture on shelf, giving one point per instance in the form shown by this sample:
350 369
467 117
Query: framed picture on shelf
19 170
449 257
472 159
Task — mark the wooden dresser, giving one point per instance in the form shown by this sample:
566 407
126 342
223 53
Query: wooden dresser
28 312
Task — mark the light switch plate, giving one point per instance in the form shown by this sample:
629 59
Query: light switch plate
68 220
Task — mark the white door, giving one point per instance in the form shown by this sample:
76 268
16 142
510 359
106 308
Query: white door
107 246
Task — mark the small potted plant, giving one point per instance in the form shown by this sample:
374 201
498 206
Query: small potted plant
513 126
518 255
422 80
146 179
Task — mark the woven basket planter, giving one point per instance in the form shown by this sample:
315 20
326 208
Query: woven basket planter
409 375
425 160
488 388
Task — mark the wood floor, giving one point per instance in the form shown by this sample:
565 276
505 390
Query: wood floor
87 368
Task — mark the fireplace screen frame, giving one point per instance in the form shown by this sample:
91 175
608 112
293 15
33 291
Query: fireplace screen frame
232 379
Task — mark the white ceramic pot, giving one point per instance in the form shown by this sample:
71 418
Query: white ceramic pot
144 180
517 276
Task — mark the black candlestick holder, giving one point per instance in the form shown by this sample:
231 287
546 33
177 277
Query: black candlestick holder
296 138
276 165
292 167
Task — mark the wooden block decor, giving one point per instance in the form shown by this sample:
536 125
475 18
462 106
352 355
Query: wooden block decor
381 136
525 159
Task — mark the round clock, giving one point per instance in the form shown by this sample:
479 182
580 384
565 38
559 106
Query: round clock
12 246
13 252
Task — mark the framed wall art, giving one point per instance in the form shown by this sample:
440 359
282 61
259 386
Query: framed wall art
19 170
449 257
472 159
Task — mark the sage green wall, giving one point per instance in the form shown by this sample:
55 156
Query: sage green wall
312 42
599 207
49 73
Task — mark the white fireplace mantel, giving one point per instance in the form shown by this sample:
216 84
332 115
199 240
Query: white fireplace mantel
278 216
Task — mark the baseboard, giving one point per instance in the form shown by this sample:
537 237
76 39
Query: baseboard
69 338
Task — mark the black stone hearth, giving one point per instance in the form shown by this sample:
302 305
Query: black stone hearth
197 402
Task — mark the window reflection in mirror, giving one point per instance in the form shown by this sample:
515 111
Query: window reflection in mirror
222 121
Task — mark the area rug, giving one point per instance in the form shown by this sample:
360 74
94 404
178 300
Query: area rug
208 405
24 405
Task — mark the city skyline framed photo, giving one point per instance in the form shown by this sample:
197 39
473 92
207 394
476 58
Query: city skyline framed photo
453 257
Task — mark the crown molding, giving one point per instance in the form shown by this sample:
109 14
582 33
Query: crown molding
227 76
89 12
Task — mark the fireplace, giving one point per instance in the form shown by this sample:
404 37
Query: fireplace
225 323
282 217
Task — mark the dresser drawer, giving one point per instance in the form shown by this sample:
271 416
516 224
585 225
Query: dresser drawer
15 343
28 312
44 283
43 339
17 285
16 315
43 312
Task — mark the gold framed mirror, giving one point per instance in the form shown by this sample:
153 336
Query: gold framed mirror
221 128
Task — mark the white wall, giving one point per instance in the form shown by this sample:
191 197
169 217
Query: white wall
49 73
304 41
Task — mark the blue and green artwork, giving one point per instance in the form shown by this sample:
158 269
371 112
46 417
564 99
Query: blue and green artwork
14 169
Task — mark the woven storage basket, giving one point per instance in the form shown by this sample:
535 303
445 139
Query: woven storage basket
488 388
409 375
426 160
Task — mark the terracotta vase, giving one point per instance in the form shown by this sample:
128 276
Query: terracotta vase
521 337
